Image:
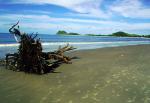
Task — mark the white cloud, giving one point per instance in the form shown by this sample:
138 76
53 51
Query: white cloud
46 19
89 7
46 24
65 3
92 8
131 8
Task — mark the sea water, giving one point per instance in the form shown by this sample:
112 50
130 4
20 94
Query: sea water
51 42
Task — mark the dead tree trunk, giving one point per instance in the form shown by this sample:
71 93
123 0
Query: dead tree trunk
30 57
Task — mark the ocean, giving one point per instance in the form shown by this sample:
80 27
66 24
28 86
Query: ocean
52 42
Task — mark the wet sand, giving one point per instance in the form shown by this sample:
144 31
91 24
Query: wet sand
108 75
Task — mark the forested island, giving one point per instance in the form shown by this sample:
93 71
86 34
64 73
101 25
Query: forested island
124 34
62 32
116 34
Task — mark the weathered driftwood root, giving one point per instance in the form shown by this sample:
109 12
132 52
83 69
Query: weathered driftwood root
2 62
11 60
59 54
30 57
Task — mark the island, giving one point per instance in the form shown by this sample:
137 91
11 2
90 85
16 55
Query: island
62 32
116 34
124 34
120 34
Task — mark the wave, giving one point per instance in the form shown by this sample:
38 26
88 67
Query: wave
51 46
9 45
74 43
77 43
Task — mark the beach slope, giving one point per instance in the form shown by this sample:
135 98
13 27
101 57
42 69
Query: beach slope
107 75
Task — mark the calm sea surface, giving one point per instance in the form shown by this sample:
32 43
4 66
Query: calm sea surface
51 42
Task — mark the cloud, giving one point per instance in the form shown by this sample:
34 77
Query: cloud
64 3
95 8
131 8
86 18
47 24
89 7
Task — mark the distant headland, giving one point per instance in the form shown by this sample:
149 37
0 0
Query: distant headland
62 32
116 34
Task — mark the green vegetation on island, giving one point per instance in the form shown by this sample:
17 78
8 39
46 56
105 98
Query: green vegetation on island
94 35
73 34
123 34
62 32
116 34
120 34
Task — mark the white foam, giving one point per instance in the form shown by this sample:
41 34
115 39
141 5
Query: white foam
79 43
93 43
8 45
74 43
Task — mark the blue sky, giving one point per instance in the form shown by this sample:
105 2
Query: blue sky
81 16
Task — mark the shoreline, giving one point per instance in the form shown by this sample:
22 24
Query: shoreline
63 43
2 56
113 47
1 59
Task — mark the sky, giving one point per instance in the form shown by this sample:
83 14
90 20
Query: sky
80 16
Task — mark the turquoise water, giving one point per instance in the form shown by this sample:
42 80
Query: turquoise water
52 42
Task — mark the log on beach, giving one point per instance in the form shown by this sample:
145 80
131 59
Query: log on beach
30 57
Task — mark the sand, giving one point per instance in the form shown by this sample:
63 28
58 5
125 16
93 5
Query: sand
108 75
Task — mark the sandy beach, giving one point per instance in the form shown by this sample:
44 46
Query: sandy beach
106 75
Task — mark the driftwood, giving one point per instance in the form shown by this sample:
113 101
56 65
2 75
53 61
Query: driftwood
59 54
30 57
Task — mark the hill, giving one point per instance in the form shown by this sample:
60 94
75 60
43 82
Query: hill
62 32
